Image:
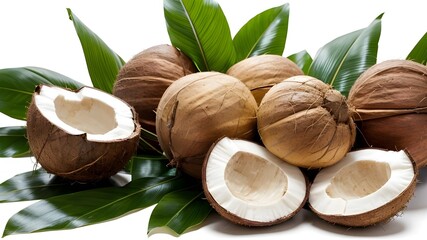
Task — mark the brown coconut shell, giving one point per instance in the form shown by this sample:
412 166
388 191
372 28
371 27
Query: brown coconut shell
378 215
73 156
305 122
390 101
198 109
260 73
142 81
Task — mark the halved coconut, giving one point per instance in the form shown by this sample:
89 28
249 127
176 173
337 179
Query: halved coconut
367 187
248 185
85 135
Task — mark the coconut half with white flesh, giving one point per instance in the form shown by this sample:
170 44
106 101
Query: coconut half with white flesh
248 185
83 135
368 186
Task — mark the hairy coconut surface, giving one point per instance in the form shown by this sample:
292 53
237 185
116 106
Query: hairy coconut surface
390 100
142 80
367 187
260 73
306 123
87 135
198 109
248 185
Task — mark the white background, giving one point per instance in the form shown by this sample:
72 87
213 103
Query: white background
38 33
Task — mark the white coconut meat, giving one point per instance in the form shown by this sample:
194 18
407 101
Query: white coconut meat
365 180
100 115
247 184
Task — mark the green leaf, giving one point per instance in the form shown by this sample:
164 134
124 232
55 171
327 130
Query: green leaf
151 166
419 52
13 142
263 34
302 59
180 211
148 142
102 63
92 206
341 61
201 31
39 184
17 86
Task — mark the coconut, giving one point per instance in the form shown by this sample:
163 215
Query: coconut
367 187
86 135
142 81
198 109
248 185
261 72
390 101
305 122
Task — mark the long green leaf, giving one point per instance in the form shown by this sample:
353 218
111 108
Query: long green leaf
263 34
151 166
302 59
341 61
102 63
419 52
200 30
39 184
17 86
13 142
180 211
92 206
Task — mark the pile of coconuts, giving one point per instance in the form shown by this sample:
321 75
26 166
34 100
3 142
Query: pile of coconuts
250 135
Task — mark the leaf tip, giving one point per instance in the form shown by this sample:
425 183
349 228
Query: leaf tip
162 229
70 14
380 16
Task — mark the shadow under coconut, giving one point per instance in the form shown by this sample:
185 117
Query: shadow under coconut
418 202
391 227
118 180
221 225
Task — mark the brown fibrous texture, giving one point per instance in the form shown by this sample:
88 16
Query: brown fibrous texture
73 157
305 122
142 81
198 109
390 101
260 73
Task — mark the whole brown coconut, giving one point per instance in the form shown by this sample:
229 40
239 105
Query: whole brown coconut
85 136
260 73
305 122
390 100
142 81
197 110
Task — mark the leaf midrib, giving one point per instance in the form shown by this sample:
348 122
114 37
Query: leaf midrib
33 187
120 199
15 90
343 60
196 36
185 206
259 39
